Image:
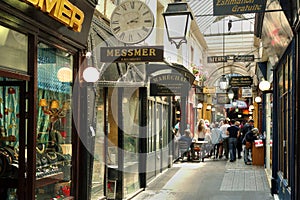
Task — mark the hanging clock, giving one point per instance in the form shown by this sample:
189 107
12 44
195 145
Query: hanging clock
132 22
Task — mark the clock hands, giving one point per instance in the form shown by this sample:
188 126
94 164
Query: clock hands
133 20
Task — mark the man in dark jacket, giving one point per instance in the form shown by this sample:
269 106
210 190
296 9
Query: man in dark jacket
249 137
247 127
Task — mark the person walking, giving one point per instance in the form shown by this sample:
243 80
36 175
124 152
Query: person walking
239 145
248 141
223 128
216 139
233 132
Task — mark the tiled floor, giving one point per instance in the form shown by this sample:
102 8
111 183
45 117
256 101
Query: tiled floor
209 180
241 177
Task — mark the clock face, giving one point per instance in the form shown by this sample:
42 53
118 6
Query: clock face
132 22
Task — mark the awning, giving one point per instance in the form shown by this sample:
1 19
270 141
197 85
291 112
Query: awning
165 67
169 79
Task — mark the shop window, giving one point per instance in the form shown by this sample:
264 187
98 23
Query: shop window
54 121
99 149
131 110
158 118
149 125
165 125
285 117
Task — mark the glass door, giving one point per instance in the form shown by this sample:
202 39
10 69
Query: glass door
12 138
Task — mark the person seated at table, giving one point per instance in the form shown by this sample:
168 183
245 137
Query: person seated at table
187 138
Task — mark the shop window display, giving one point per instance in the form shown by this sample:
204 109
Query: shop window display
13 57
9 136
53 159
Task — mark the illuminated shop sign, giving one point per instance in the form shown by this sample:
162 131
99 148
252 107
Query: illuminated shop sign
62 11
240 81
232 7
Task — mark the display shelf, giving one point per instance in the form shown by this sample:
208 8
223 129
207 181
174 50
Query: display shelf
50 179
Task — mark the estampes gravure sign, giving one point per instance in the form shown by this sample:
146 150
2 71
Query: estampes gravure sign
62 11
131 54
232 7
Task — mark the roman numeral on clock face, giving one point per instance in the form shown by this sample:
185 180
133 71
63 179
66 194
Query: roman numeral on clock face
130 38
122 35
117 29
132 4
145 29
124 6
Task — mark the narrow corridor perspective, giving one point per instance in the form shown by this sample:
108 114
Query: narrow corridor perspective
209 180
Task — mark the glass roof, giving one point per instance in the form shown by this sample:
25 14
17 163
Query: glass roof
225 36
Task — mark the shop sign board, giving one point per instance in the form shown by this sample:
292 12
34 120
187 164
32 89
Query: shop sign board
246 92
62 11
209 90
216 59
168 85
243 58
233 7
132 54
240 81
222 98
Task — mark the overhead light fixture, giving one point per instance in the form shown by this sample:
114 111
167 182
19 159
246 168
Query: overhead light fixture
257 99
223 83
177 19
88 54
208 107
91 74
230 94
251 107
265 86
234 104
199 106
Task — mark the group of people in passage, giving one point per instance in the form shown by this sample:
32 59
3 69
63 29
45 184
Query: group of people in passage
227 138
